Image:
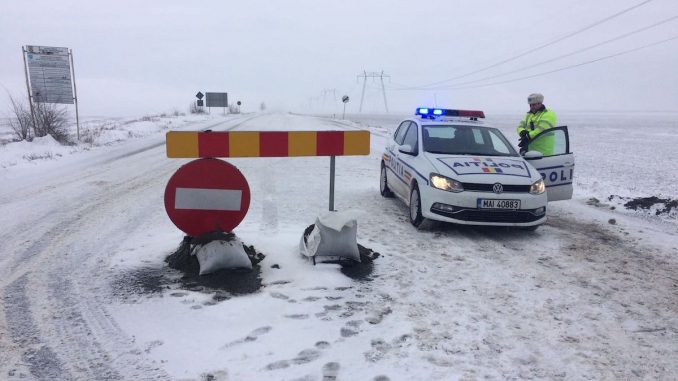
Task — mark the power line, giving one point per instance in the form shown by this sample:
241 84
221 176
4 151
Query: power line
558 57
578 31
567 67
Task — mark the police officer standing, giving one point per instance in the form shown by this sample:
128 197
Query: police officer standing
537 120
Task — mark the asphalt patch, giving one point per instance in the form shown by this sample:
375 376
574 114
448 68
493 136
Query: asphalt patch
361 271
232 281
182 273
141 281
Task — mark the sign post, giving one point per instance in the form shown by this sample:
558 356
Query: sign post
28 87
199 102
344 99
75 95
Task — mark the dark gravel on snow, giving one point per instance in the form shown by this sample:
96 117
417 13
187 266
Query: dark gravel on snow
359 271
182 272
664 206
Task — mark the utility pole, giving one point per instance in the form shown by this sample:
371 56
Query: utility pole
374 75
325 93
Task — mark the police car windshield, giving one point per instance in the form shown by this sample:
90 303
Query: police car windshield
465 140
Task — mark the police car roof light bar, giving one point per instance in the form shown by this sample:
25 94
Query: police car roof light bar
425 112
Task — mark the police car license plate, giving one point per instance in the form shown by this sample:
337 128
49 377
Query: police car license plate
498 204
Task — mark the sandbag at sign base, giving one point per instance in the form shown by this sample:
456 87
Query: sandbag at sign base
217 255
332 237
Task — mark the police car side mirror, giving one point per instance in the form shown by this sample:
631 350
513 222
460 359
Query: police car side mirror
406 149
533 155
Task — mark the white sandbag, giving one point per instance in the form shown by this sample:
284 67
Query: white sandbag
217 255
337 220
334 237
308 245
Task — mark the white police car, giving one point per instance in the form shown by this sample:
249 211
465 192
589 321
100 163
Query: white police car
447 165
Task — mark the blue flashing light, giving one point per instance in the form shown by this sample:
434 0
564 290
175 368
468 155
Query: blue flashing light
429 113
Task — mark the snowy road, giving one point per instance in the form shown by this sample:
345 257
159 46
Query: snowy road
86 295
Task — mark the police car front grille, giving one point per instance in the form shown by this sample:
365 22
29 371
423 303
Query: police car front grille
478 215
473 187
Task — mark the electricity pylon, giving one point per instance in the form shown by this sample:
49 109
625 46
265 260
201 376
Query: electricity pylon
325 93
373 75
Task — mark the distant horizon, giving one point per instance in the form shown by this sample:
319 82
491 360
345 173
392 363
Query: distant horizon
134 58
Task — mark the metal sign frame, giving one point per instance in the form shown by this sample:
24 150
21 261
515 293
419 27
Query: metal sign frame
54 67
216 99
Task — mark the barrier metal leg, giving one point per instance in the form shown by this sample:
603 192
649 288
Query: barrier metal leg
332 183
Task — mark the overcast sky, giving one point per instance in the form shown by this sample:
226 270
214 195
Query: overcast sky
141 57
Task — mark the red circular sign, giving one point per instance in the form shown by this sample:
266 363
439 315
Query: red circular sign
207 195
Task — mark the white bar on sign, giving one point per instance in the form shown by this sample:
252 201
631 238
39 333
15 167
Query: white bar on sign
207 199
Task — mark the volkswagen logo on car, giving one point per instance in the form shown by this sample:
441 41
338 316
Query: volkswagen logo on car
497 188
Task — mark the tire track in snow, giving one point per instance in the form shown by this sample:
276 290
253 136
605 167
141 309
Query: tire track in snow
86 358
79 317
41 360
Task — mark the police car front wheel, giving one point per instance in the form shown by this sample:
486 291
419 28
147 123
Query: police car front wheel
383 183
416 218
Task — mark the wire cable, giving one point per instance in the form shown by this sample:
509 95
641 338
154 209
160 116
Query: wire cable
559 57
566 67
559 39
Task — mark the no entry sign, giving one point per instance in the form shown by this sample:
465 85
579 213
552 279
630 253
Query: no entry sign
207 195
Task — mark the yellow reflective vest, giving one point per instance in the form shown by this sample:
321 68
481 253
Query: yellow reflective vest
536 123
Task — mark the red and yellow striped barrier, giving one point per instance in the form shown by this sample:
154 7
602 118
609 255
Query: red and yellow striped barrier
189 144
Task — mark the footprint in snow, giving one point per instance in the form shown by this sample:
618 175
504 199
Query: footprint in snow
279 295
304 357
351 328
347 332
278 365
252 336
379 349
377 316
297 316
320 288
279 282
330 371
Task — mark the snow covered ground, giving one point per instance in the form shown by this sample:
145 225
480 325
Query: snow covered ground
85 293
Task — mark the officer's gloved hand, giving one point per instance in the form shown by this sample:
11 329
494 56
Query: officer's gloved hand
524 135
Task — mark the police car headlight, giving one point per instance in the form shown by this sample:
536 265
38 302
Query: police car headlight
446 184
538 187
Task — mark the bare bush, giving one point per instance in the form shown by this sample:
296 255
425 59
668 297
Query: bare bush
233 109
20 120
46 119
195 109
51 120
